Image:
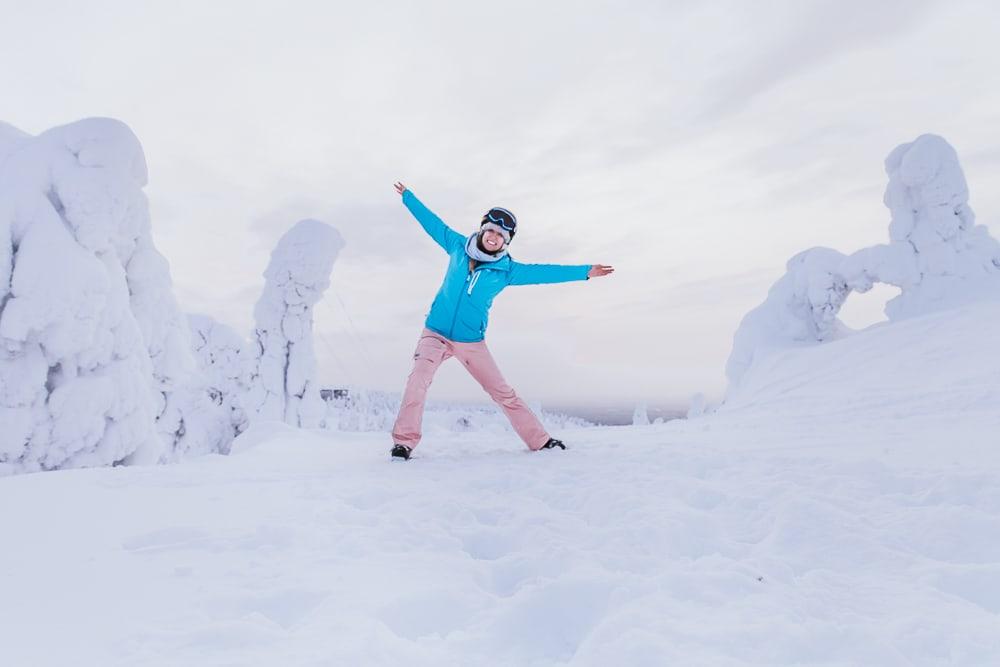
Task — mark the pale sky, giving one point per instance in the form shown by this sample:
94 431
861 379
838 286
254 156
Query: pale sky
694 146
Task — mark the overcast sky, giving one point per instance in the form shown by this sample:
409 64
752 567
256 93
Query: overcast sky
695 146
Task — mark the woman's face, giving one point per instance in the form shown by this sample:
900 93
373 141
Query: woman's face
492 240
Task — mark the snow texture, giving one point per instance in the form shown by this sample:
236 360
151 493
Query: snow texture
94 367
843 510
284 384
227 365
696 406
11 139
936 255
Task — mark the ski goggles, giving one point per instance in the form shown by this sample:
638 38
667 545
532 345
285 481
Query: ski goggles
501 217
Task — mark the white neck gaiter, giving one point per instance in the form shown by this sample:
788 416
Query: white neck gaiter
473 251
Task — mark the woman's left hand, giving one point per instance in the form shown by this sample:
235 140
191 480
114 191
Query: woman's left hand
597 270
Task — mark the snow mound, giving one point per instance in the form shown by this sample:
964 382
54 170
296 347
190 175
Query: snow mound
937 256
941 369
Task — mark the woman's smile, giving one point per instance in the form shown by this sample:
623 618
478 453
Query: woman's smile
492 240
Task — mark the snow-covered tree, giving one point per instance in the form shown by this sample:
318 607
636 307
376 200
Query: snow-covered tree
936 255
801 307
94 361
226 364
284 385
640 416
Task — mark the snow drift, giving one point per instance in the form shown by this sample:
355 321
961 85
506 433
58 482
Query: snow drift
841 509
95 366
934 376
937 256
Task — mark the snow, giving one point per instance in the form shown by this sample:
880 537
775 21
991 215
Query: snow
841 505
640 416
75 375
226 364
937 256
369 410
284 384
11 139
95 365
801 307
696 406
840 508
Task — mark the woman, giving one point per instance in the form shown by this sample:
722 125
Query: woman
478 270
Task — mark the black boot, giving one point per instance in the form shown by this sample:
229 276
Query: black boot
553 443
400 453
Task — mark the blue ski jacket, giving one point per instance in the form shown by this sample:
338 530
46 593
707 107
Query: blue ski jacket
461 309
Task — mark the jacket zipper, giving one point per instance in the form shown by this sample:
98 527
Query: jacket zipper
472 283
471 279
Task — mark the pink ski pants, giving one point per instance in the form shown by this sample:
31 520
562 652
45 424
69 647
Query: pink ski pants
432 350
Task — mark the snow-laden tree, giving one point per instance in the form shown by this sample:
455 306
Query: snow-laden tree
94 361
640 416
284 385
936 255
801 306
227 366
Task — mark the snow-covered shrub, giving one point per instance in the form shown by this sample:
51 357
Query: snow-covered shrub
284 385
640 416
369 410
551 420
226 364
936 255
361 410
94 361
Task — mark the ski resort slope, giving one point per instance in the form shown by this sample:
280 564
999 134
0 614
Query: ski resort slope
843 508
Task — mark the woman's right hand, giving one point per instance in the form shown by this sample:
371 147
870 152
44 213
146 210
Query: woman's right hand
400 188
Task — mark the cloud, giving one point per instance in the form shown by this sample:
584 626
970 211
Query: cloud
685 143
782 40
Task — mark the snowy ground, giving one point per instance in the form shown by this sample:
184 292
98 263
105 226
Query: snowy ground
845 510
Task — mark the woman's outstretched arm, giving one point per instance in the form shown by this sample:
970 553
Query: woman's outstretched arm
538 274
443 235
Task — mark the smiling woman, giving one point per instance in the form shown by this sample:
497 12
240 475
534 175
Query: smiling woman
479 269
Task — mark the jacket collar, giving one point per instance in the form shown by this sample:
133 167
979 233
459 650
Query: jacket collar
502 264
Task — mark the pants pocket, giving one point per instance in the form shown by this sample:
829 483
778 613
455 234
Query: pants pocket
430 349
